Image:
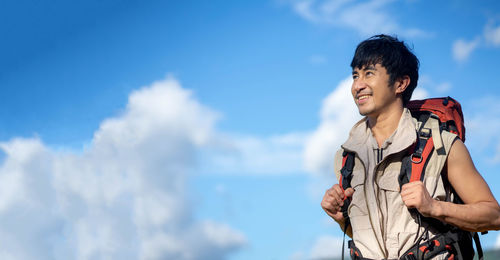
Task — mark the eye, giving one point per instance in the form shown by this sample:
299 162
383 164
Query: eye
355 76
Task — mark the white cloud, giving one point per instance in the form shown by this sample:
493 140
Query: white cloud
497 243
492 34
297 256
324 247
462 49
366 17
123 197
328 247
419 93
338 115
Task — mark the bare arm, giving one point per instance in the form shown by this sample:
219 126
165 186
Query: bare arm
480 211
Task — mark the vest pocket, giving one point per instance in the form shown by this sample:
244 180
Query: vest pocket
358 211
388 180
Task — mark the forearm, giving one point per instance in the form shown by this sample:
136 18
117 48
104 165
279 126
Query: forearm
477 217
342 226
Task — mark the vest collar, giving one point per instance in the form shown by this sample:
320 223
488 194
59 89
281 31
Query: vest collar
403 137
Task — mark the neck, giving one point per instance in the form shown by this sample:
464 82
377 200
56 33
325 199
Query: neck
385 123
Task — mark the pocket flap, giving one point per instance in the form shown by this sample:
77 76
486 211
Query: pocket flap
389 180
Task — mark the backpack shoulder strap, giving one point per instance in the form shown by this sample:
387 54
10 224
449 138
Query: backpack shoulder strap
414 164
346 170
346 177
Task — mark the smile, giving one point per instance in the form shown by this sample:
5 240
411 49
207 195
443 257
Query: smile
363 97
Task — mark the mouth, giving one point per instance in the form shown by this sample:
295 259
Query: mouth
362 97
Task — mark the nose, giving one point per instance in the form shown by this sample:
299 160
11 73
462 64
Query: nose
358 85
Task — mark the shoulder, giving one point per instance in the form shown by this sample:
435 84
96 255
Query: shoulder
460 167
458 152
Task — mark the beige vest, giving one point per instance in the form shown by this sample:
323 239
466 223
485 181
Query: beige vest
383 228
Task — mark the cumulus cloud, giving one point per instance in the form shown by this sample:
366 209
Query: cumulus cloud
366 17
338 115
123 197
328 247
324 247
462 49
497 243
492 34
419 93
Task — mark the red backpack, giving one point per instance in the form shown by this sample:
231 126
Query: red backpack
448 110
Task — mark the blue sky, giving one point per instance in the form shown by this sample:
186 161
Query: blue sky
206 130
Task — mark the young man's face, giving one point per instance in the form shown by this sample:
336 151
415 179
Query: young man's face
370 89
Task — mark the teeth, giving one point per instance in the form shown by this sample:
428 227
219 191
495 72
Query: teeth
362 97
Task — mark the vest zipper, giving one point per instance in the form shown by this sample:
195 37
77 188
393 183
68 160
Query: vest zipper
383 229
380 154
382 248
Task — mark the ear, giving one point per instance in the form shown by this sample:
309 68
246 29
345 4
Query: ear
401 84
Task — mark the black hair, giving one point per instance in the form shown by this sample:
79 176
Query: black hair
394 55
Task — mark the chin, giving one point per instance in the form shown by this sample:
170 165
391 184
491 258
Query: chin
363 114
366 109
362 111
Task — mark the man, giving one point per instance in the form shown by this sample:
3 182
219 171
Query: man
382 224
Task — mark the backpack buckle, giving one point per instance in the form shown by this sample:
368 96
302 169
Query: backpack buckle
415 155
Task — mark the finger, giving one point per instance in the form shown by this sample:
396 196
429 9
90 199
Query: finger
329 205
328 200
405 190
409 202
338 190
339 194
332 200
411 187
331 193
413 184
348 192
